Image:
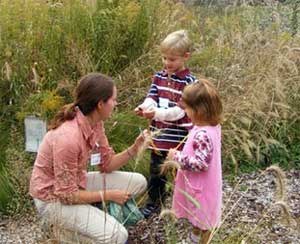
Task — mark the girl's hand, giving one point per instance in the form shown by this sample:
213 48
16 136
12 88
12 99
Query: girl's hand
118 196
171 154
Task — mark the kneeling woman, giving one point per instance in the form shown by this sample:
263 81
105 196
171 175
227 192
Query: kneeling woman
62 188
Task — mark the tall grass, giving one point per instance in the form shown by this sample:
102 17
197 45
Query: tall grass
253 58
255 63
122 129
5 190
250 52
45 46
14 178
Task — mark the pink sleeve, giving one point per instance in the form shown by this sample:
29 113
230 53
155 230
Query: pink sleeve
65 167
105 150
203 148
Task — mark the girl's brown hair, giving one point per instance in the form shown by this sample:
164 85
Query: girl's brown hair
92 89
203 98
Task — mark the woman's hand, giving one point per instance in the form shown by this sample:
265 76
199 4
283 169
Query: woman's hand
171 154
117 196
144 136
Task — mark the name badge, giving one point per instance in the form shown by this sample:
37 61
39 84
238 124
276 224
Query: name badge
95 159
163 102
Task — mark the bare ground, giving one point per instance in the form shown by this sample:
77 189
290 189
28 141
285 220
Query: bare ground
251 213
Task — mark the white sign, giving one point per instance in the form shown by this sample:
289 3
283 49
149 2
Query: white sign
35 129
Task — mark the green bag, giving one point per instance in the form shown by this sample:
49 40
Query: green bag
127 214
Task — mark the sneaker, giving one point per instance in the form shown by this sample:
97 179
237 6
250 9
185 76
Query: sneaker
149 209
194 239
191 239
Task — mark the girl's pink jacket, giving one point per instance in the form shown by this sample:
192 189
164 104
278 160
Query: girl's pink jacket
205 187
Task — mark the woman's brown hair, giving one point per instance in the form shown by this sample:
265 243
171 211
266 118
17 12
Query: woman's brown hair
92 89
203 98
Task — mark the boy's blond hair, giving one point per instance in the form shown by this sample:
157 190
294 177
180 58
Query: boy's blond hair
177 42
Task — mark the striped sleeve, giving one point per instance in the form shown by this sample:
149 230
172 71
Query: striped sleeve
191 79
153 91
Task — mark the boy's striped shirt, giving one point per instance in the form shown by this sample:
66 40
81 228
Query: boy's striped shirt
166 92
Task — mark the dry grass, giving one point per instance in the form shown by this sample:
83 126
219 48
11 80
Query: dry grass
169 164
167 213
280 182
255 69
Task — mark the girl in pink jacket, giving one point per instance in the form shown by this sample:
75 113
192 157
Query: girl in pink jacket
198 184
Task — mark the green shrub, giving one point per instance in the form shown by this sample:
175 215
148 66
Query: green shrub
43 104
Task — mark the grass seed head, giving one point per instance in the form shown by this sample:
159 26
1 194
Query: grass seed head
280 182
167 165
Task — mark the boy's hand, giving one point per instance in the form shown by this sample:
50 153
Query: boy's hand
148 114
138 111
171 154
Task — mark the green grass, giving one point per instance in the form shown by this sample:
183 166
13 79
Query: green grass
122 130
6 191
251 53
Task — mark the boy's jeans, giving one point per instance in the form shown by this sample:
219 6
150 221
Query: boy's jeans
157 182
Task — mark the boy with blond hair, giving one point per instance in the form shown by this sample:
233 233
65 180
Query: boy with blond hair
161 106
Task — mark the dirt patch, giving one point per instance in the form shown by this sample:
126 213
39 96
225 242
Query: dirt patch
250 213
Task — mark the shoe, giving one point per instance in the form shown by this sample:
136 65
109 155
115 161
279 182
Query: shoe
149 210
193 239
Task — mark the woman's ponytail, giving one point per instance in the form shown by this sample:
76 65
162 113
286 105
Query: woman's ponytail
92 88
67 112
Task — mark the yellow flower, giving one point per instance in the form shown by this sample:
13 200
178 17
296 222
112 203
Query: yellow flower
51 101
